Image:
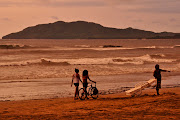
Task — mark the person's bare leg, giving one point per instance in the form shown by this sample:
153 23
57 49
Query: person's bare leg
85 91
77 89
75 92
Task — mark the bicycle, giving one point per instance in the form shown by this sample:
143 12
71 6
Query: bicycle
92 91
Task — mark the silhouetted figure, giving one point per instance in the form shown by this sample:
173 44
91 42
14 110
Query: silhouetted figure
157 75
75 80
85 76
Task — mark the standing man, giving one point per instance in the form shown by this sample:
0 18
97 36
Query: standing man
157 75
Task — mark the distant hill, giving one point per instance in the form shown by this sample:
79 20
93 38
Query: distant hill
84 30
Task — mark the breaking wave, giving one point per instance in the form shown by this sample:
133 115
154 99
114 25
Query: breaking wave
157 58
113 47
155 47
143 59
34 62
83 46
101 48
177 46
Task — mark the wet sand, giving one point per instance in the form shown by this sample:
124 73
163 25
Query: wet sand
112 106
27 89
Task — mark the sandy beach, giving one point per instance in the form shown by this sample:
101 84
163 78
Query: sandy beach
112 106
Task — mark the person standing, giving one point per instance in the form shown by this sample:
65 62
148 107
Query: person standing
85 76
157 75
75 80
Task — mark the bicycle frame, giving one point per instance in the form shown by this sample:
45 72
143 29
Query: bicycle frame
89 92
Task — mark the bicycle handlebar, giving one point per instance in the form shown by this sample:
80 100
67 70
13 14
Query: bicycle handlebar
94 83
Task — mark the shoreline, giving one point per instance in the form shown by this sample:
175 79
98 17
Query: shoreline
176 73
28 89
112 106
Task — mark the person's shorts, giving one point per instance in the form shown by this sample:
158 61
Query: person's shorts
76 84
85 85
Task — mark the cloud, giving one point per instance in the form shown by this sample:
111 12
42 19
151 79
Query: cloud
157 9
140 2
10 3
55 17
137 20
156 22
172 20
51 3
5 19
149 6
160 6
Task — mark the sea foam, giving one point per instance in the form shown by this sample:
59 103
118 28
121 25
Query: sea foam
157 58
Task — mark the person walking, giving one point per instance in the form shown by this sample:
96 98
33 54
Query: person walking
85 76
75 80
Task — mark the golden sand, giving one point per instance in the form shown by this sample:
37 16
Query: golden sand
113 106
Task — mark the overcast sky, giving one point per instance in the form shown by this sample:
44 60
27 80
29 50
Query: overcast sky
152 15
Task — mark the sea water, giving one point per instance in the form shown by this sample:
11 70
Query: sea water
33 69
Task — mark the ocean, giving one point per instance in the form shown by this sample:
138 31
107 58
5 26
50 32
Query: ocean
28 66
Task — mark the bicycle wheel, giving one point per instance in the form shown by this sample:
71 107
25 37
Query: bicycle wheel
93 92
82 95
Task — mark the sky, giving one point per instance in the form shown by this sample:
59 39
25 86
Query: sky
150 15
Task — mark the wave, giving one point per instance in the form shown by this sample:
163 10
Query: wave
49 62
144 59
112 47
83 46
158 47
100 48
155 47
15 46
41 61
177 46
157 58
